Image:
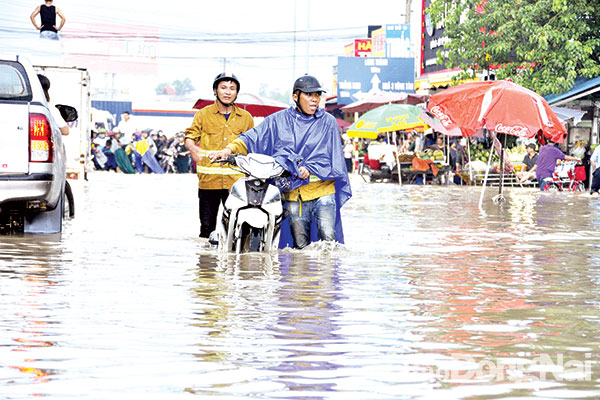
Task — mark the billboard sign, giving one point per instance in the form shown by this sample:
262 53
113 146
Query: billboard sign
358 48
362 47
357 77
397 40
112 48
432 39
392 41
378 40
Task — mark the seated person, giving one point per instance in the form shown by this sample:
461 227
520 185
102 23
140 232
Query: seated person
439 144
529 164
407 144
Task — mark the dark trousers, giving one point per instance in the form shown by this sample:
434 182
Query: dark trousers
595 186
349 164
208 207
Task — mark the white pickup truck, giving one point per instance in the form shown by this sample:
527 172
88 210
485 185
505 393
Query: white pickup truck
34 192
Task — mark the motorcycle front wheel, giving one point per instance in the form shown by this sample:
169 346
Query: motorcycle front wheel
250 240
255 239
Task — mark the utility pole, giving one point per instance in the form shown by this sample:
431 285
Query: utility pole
408 7
294 57
307 36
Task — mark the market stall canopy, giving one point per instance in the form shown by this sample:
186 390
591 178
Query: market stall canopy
498 106
374 100
386 118
257 106
565 114
342 123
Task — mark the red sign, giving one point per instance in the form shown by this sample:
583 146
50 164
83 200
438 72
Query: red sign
359 48
362 47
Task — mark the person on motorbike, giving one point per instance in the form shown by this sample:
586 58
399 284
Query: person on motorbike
304 139
548 155
213 127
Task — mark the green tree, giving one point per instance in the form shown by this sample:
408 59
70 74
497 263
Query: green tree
541 44
181 88
266 91
160 89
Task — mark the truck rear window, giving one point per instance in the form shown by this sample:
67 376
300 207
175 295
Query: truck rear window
13 82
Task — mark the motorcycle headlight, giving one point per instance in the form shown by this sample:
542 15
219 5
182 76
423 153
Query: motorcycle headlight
272 197
236 192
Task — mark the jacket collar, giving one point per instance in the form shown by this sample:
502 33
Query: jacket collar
318 114
215 109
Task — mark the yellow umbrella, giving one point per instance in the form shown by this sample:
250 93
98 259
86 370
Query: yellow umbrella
387 118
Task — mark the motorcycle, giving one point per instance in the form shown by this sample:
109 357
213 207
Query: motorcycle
250 220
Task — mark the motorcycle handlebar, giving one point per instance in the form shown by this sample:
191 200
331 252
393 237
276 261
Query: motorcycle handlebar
230 159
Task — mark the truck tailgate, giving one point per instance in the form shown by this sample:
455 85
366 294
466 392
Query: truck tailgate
14 139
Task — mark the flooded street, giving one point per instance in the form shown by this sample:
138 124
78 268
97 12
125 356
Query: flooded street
429 299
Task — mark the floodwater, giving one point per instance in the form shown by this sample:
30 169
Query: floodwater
431 298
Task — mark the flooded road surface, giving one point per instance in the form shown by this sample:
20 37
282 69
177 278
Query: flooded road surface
429 299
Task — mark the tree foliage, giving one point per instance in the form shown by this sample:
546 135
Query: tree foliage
178 87
266 91
541 44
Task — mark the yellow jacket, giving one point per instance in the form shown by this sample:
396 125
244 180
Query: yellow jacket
211 132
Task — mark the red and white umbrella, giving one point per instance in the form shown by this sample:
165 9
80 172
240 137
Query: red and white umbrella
499 106
257 106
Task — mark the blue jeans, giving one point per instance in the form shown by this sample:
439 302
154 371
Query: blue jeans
301 214
49 35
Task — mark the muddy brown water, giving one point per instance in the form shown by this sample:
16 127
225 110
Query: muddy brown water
429 298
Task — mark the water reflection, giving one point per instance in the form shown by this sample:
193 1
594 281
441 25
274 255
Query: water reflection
430 298
306 324
30 273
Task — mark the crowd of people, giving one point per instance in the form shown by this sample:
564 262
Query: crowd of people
141 152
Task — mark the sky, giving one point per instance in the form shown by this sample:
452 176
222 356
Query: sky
266 43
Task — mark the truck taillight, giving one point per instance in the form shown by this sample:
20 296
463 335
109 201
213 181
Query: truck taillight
40 139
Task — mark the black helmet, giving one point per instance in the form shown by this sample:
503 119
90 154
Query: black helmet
307 84
224 76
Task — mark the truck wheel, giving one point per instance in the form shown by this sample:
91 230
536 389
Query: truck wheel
69 202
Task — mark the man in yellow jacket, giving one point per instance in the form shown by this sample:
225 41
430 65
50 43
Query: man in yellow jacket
213 128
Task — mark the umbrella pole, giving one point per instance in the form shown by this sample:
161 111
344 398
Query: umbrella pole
397 159
500 196
469 157
487 171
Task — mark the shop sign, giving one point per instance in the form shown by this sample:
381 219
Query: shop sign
378 41
397 40
392 40
433 39
358 48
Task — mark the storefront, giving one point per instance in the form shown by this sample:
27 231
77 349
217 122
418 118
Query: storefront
583 97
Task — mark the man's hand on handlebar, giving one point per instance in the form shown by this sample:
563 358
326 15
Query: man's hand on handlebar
303 172
220 155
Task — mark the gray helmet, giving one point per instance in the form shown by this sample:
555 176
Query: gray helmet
307 84
224 76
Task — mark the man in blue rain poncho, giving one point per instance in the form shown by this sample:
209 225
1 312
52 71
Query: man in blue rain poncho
305 140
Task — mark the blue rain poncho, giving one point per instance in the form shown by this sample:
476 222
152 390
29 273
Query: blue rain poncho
312 141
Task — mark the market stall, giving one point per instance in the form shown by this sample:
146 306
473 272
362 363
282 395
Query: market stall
391 127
